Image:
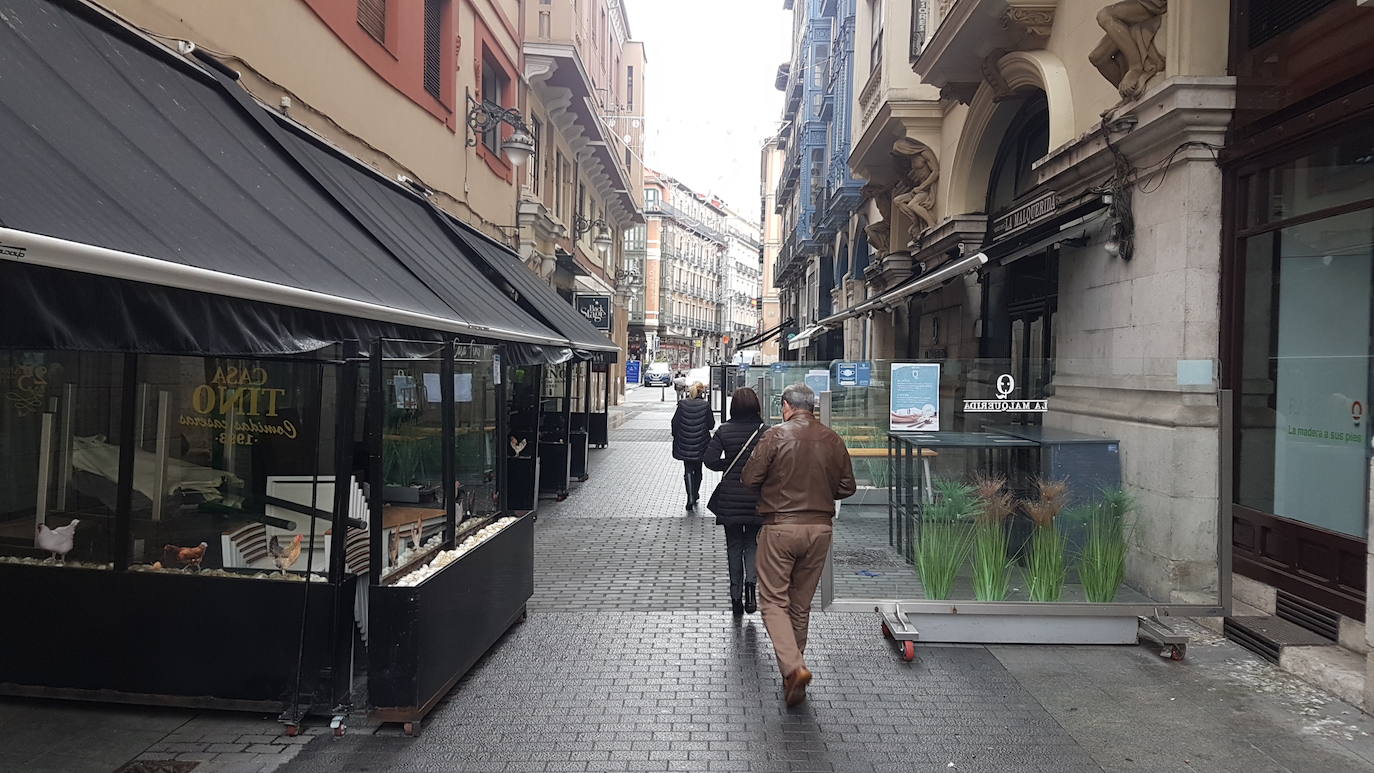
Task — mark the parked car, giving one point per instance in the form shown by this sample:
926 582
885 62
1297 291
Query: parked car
658 375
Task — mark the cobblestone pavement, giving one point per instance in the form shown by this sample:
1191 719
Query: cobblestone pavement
629 662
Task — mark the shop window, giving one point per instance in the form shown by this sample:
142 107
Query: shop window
475 432
433 48
1305 387
60 435
233 469
1333 174
413 516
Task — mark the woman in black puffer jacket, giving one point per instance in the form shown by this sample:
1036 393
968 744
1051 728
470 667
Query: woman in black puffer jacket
692 425
735 504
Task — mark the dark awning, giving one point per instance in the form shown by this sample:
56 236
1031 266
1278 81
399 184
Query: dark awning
113 142
536 296
765 336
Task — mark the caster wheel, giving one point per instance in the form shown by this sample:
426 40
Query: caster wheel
524 614
292 731
908 651
339 731
1176 653
411 729
887 632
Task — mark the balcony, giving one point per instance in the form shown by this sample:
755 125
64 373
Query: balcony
957 45
686 221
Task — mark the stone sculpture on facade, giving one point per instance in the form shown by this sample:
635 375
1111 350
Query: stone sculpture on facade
914 194
878 232
1127 55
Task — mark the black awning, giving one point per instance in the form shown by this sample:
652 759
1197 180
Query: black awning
536 296
765 336
113 141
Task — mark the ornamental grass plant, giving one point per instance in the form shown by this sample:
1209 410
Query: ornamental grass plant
1047 560
992 559
945 539
1102 564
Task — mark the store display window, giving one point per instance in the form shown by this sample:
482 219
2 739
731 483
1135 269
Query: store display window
415 509
233 467
60 432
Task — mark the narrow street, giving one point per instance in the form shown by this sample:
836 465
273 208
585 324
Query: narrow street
630 661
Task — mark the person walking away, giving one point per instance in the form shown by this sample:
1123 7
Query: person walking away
801 467
692 425
680 384
735 504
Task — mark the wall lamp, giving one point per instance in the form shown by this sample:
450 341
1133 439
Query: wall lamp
482 116
602 240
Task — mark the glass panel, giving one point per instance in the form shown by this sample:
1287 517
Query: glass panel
1306 384
412 462
1336 173
60 416
232 458
964 503
475 436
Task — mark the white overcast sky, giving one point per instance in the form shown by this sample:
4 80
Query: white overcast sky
710 94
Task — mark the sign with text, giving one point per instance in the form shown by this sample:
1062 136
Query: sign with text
596 308
914 402
1005 386
632 372
854 374
1026 215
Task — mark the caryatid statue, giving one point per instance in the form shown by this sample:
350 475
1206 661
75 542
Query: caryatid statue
1127 55
878 232
914 194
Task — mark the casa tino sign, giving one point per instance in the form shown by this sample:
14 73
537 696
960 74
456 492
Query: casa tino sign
1005 386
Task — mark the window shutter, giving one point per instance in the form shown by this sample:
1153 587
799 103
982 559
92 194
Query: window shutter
434 74
372 18
1271 18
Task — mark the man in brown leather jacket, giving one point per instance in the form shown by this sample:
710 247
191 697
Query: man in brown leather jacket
802 467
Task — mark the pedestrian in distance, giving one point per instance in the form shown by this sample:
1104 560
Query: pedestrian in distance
735 504
692 425
801 467
680 384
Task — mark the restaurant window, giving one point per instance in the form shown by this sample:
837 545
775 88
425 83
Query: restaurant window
1306 345
233 468
60 435
372 18
494 85
434 48
1026 141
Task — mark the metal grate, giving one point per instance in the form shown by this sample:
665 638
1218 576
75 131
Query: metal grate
372 18
1252 640
434 73
1302 612
1271 18
158 766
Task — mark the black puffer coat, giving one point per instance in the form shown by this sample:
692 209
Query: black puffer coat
692 425
734 503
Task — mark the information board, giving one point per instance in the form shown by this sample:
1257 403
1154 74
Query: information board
915 397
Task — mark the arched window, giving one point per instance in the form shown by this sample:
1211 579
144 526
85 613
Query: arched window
842 261
1027 140
861 252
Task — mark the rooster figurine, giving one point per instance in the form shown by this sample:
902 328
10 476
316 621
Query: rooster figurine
57 541
284 557
189 558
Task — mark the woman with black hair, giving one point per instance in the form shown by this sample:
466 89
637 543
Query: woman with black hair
735 504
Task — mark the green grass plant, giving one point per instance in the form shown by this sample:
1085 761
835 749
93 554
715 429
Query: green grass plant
1047 563
991 562
945 539
1102 563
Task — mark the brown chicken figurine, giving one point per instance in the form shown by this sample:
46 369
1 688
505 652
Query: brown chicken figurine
284 557
189 558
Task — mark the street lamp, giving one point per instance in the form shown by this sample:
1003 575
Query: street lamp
482 116
603 232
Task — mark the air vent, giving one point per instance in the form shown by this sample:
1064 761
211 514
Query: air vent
1271 18
1318 620
1252 640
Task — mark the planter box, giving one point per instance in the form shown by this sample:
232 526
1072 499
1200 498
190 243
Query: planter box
424 639
167 639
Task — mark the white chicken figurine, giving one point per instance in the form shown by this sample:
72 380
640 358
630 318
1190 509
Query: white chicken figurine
57 541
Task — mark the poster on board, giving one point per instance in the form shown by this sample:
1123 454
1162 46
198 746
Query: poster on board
915 397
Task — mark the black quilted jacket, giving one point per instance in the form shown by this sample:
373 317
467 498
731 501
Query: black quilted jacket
734 503
692 425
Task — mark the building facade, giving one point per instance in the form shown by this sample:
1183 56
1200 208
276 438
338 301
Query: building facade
419 91
741 285
775 327
816 191
686 269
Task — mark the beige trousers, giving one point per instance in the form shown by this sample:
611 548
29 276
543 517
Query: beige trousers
790 559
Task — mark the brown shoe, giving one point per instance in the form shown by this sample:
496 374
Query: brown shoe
794 686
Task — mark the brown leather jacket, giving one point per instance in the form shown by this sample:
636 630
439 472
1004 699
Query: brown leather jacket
802 467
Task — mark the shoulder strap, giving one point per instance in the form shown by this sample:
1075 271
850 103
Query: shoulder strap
742 449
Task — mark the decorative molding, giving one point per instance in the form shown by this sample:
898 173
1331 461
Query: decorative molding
1034 20
962 93
992 75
